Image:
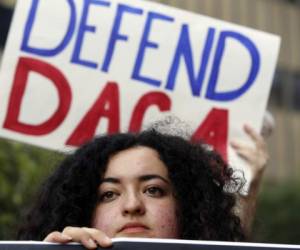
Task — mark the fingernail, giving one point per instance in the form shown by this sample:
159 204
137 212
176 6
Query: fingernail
92 243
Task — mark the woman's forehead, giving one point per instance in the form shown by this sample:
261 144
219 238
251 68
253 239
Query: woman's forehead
134 162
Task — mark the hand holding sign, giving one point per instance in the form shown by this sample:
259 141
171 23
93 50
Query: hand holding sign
89 237
256 158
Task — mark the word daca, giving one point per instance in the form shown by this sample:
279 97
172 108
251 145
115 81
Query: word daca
213 130
182 53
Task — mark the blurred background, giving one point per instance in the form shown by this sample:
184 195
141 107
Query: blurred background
22 167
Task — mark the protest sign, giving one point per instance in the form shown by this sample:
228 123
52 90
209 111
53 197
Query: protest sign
149 244
72 69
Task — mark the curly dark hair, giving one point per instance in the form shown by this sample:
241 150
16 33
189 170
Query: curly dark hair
204 187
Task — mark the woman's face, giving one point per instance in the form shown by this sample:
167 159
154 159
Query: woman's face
136 197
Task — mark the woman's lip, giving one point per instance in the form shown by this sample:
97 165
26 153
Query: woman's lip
134 228
139 229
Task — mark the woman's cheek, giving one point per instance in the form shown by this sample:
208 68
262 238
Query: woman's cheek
105 220
166 222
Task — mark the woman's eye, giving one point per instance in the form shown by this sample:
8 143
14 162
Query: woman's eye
155 191
108 196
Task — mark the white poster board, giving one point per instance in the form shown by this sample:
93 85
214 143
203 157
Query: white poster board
72 69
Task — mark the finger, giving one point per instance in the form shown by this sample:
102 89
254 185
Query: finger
246 154
88 243
98 236
236 144
80 235
58 237
256 137
257 162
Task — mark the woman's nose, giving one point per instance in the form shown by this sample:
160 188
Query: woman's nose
133 204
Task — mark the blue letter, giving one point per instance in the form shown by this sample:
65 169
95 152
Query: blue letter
82 29
115 35
230 95
28 27
144 44
184 50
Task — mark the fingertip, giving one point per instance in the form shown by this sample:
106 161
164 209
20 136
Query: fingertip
248 128
254 135
55 237
234 144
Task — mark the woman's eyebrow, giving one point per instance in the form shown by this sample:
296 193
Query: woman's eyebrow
110 180
153 176
141 178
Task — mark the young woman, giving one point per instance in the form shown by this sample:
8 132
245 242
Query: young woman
136 185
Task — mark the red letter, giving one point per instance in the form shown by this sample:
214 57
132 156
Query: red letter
153 98
107 105
24 67
214 131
